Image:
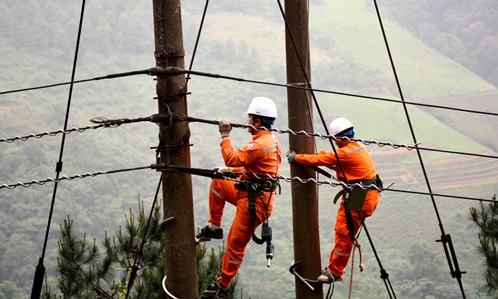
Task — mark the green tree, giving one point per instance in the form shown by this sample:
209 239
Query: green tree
486 219
132 262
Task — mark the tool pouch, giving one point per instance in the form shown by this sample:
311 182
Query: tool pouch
357 198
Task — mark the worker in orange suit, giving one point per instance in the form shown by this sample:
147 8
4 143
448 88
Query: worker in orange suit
261 156
358 168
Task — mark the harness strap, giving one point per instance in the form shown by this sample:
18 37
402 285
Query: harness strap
349 217
253 188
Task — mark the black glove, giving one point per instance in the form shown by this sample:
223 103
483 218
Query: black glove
291 156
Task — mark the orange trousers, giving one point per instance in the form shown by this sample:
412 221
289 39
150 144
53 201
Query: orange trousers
340 254
241 231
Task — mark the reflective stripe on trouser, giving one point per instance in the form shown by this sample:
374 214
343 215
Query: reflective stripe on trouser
240 234
339 255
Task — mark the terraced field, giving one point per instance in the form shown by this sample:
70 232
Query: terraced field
458 171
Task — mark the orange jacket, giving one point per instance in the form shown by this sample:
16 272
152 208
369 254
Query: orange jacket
262 155
354 157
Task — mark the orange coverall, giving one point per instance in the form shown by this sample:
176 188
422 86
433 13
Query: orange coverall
261 156
358 165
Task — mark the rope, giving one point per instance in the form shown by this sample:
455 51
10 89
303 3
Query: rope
356 244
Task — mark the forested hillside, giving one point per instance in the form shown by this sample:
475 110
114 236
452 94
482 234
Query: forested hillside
245 40
465 31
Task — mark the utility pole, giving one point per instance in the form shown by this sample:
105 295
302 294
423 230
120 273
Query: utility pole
300 115
178 208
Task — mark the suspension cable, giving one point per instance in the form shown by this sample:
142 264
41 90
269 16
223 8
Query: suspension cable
456 273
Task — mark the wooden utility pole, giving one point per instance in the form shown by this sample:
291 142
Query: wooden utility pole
304 196
178 208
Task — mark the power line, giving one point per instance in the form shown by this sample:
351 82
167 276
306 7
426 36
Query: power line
173 117
230 175
157 118
70 178
178 71
53 133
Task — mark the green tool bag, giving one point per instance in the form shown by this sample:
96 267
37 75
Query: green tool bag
357 198
357 194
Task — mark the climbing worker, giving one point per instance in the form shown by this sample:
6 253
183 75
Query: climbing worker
253 196
357 167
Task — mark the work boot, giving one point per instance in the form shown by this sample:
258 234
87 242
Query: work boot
207 234
215 291
328 277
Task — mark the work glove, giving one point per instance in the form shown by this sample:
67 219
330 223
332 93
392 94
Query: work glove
224 127
223 169
291 156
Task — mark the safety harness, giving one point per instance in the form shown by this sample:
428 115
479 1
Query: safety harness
256 189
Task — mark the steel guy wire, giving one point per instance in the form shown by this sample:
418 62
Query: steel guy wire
197 40
445 239
40 268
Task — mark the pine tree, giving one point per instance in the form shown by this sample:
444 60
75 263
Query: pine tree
486 218
130 262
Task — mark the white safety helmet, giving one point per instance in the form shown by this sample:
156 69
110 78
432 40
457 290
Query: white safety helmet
340 125
262 106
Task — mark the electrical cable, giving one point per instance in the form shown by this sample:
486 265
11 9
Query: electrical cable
53 133
168 118
70 178
444 237
158 118
40 268
230 175
178 71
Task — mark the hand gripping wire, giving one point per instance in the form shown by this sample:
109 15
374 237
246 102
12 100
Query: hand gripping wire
178 117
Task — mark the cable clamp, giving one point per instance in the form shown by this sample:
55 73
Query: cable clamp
165 54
